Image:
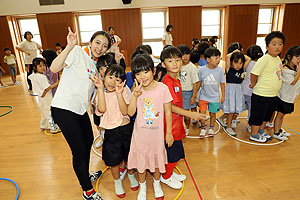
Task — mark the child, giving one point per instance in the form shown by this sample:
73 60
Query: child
201 49
171 60
167 37
10 60
189 82
103 63
195 43
289 90
152 101
234 103
58 48
254 52
1 70
42 88
113 105
211 78
266 80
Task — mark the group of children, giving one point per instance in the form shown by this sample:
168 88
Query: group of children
10 60
143 121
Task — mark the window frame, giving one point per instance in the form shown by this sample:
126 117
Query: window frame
21 37
76 17
221 28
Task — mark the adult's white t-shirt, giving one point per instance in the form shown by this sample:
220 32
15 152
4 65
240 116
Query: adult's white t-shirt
75 88
168 38
31 47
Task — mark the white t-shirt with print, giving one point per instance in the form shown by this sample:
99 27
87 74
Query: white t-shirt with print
75 88
188 76
31 47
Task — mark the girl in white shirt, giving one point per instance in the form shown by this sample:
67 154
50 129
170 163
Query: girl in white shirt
71 102
167 37
289 90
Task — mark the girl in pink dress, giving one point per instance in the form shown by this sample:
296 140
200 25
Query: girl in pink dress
152 102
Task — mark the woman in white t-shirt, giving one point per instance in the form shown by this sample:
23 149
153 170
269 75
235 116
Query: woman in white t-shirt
115 40
30 48
167 37
71 102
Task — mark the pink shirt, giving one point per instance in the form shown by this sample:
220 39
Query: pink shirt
113 117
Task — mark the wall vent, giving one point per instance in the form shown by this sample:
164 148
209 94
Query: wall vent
51 2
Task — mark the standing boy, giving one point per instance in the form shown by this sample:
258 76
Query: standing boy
171 60
211 78
266 80
10 60
189 79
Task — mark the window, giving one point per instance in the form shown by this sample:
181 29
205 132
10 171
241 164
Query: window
88 24
265 23
153 25
211 24
32 26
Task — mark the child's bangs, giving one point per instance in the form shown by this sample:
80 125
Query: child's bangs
117 71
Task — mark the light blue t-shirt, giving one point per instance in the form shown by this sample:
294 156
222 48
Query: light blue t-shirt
211 80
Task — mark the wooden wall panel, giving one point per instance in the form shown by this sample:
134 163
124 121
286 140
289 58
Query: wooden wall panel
186 22
128 26
290 25
5 41
54 28
240 25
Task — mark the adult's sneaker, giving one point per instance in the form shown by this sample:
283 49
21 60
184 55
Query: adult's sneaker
172 182
280 137
260 138
284 132
266 135
221 121
95 175
93 196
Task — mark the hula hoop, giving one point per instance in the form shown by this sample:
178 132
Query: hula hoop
31 94
252 143
11 109
107 168
197 137
58 133
17 187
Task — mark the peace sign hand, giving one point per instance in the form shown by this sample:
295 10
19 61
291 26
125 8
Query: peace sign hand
120 87
137 91
98 82
71 38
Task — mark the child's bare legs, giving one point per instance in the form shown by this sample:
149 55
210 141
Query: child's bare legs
187 122
229 119
212 119
202 121
278 122
142 177
115 171
1 82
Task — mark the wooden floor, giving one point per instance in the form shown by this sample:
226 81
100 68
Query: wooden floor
222 167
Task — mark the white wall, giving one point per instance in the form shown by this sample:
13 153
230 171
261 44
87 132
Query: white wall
20 7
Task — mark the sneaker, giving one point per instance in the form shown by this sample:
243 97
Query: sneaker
249 128
280 137
202 133
95 175
266 135
93 196
158 193
269 125
171 182
122 174
142 192
211 132
284 132
17 82
233 123
119 190
99 143
187 132
221 121
134 185
178 177
56 130
230 131
261 139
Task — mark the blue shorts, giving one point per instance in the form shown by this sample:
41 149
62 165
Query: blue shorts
12 69
186 100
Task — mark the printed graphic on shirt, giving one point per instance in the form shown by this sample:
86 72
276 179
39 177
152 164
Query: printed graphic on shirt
182 76
92 74
278 73
210 80
176 89
149 112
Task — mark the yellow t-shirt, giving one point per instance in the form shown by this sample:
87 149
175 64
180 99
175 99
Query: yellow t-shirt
269 72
